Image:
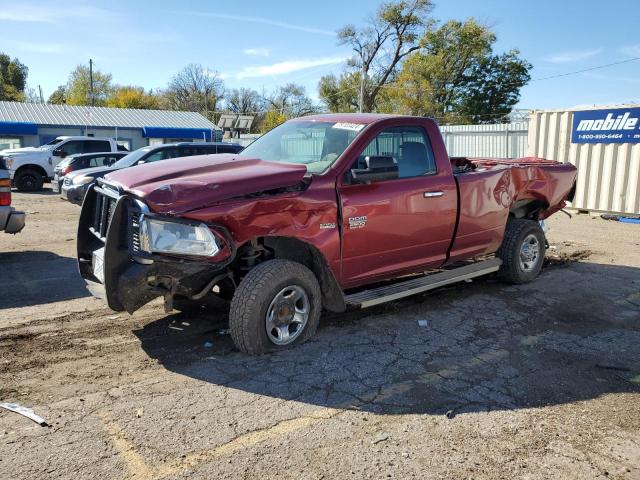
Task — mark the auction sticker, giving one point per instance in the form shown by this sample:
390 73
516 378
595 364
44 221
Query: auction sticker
354 127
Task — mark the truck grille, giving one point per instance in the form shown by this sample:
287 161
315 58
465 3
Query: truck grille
134 223
67 181
102 214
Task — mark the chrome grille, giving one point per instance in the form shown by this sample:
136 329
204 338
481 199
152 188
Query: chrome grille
102 214
134 222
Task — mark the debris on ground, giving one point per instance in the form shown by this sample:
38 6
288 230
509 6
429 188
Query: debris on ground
450 414
381 437
140 412
223 331
563 258
423 323
25 412
208 344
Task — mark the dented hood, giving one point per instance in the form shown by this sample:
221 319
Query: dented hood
183 184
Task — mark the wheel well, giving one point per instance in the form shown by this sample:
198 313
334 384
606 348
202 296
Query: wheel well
527 208
37 168
288 248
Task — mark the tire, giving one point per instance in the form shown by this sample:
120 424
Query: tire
522 251
275 294
28 180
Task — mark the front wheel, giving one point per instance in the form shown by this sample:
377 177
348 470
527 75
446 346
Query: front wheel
522 251
277 305
28 180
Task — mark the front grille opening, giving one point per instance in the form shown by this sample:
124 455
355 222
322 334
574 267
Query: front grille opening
103 211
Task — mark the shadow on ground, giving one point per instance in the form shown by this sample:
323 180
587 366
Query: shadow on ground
572 335
36 277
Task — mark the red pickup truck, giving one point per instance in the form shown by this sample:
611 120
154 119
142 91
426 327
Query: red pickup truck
327 211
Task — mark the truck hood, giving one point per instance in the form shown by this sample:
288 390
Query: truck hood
22 151
94 172
184 184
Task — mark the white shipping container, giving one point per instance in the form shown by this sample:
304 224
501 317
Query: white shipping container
608 173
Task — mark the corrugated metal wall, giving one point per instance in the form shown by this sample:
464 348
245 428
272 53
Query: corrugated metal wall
608 174
504 140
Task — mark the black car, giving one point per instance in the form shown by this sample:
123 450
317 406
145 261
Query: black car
76 183
81 161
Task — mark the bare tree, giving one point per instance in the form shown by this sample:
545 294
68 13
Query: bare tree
244 101
195 89
392 34
291 101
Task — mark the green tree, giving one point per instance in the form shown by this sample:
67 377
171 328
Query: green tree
381 45
456 77
271 120
291 100
340 94
132 97
78 89
13 79
59 96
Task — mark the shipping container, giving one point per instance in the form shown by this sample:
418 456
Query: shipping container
608 173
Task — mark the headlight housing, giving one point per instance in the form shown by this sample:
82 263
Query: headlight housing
81 180
8 161
159 236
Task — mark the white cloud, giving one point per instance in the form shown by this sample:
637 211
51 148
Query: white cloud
47 14
573 56
49 48
259 52
260 20
288 66
631 50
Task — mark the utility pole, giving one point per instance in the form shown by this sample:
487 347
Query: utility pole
41 97
91 82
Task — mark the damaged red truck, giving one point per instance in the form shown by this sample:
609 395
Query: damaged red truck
323 212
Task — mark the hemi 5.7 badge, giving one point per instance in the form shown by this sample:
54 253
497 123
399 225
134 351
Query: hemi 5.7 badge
357 222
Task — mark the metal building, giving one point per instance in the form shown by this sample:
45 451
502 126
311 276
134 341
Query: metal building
34 124
603 143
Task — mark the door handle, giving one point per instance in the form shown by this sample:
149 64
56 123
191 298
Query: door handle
433 194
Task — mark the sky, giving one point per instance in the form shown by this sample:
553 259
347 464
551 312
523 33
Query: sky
261 45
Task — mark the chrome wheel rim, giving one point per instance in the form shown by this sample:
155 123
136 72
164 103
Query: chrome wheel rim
287 315
529 253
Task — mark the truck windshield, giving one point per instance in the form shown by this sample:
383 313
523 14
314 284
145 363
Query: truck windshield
315 144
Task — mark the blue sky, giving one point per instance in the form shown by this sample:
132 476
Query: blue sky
261 44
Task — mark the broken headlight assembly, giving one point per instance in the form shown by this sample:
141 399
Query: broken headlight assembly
174 238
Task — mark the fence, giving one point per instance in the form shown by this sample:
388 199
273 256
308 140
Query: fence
503 140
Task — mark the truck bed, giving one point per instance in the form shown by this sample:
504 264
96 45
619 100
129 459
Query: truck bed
490 187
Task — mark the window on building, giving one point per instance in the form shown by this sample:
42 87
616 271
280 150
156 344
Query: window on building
10 143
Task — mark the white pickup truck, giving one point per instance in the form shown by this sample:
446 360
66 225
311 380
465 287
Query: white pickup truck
30 167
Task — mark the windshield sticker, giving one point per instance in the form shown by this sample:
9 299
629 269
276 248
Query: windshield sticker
354 127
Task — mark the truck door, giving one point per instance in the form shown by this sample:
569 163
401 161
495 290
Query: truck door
397 226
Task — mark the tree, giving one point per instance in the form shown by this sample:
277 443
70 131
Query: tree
380 47
195 89
133 97
455 76
13 79
271 120
59 96
78 89
340 94
244 101
291 101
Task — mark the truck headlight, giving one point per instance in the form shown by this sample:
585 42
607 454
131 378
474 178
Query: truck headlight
158 236
81 180
8 161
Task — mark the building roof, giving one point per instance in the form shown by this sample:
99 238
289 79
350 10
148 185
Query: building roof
46 114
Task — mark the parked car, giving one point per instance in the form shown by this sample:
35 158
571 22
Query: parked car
323 212
31 167
11 221
80 162
76 183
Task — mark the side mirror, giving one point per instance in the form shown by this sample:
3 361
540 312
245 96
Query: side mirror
58 152
378 168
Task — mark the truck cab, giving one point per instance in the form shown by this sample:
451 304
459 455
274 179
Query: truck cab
31 167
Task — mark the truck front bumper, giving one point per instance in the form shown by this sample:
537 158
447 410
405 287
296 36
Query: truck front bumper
116 271
11 221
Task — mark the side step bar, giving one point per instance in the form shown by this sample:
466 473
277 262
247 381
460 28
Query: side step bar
387 293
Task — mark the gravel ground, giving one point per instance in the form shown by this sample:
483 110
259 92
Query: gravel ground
536 381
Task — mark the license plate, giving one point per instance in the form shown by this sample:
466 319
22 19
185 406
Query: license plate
55 185
97 263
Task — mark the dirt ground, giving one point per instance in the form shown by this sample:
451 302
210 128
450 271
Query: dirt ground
535 382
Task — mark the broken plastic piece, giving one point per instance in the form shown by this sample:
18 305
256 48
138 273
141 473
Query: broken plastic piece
423 323
25 412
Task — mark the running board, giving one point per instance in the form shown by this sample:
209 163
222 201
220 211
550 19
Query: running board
375 296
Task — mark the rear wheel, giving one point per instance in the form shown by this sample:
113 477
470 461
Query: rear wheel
522 251
28 180
277 305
